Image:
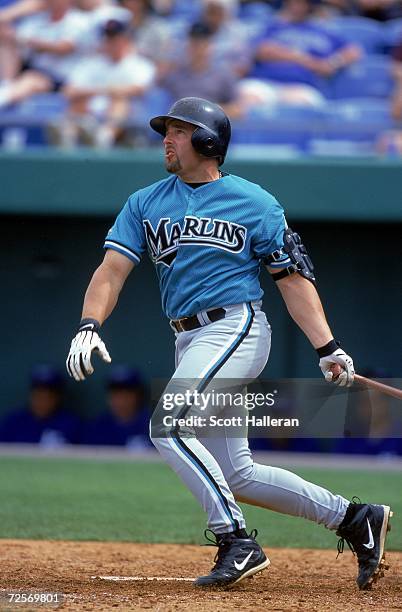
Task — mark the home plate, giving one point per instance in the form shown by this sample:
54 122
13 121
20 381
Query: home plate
142 578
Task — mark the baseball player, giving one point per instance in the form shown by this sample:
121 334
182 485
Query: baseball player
208 233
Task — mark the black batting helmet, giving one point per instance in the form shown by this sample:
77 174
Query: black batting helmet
212 136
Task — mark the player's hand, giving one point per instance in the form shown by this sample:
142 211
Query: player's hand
86 341
340 358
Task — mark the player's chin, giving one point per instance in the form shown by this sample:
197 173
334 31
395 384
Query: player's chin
173 166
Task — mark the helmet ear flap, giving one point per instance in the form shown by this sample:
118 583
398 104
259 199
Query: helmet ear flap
205 143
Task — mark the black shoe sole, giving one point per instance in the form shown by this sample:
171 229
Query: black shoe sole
382 565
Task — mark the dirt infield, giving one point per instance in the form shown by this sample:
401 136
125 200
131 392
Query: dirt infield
296 579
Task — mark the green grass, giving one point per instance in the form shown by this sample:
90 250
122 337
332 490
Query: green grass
77 499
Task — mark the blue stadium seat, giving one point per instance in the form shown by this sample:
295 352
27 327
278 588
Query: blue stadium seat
284 113
352 127
342 147
42 107
255 11
368 111
344 127
284 125
16 136
268 133
265 151
31 118
370 77
367 33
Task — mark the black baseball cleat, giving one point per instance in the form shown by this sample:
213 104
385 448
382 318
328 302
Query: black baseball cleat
364 528
237 558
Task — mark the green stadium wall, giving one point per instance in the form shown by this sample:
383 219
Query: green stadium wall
55 210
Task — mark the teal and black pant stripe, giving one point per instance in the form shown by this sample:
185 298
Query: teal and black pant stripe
180 442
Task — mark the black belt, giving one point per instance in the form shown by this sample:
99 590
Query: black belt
189 323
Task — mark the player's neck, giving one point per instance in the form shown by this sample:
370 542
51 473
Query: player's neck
200 175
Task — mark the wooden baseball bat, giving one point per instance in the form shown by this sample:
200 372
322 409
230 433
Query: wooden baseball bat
372 384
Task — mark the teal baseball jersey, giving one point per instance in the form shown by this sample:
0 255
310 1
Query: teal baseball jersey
206 243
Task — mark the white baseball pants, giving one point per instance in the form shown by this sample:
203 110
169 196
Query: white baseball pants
220 470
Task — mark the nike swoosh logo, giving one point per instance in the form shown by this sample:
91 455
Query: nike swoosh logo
242 565
90 326
370 543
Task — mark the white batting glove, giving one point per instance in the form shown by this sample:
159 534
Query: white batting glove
331 354
86 341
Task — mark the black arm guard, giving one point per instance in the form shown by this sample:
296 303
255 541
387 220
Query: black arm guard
298 255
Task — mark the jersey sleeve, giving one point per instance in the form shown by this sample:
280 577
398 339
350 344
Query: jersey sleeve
268 239
127 235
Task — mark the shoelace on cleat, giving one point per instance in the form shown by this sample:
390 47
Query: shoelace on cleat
341 542
223 545
215 541
341 545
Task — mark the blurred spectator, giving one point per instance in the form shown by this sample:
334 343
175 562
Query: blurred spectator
381 10
101 88
397 72
152 34
97 13
40 52
94 13
229 38
390 142
43 419
19 9
199 75
297 49
257 98
125 421
163 8
327 9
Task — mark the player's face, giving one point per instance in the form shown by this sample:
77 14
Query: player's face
180 157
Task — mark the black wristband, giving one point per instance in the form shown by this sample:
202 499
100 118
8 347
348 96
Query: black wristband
328 348
89 325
